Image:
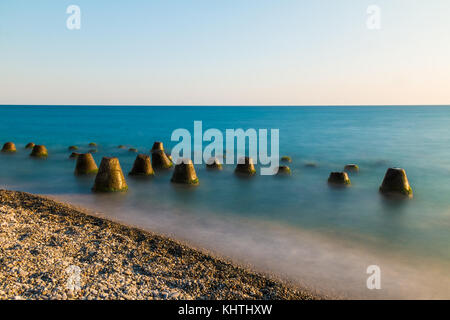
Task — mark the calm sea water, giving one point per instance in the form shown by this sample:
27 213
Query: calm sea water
414 138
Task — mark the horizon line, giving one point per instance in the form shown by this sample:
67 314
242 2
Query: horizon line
222 105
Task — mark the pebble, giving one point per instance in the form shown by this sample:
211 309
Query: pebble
105 260
23 273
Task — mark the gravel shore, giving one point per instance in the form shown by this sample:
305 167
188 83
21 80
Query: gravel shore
50 250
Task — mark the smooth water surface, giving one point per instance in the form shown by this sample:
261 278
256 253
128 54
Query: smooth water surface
414 138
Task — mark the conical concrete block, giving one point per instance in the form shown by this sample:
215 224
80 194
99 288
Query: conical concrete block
396 182
245 167
185 173
39 151
110 176
85 165
142 166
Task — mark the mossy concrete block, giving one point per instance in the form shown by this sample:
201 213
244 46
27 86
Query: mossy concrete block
185 173
142 166
311 165
160 161
283 171
39 151
110 176
74 155
85 165
286 159
352 168
157 146
395 183
9 147
214 164
339 179
245 167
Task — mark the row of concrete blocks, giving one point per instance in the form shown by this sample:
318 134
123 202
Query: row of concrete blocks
110 178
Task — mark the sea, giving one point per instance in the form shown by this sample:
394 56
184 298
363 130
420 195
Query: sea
295 227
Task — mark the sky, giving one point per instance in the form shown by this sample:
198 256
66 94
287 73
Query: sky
225 52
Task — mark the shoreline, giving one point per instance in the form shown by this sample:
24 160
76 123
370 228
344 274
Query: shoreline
42 241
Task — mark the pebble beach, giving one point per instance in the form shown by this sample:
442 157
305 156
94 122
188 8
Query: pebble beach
51 250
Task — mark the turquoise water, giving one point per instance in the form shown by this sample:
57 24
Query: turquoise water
414 138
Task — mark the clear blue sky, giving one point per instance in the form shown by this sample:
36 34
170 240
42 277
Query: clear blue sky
225 52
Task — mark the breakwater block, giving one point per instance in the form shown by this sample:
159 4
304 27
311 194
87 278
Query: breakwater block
142 166
395 183
245 167
9 147
339 179
39 151
213 164
160 161
185 173
110 176
85 165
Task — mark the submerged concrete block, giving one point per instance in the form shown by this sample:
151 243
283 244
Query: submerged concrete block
74 155
396 182
157 146
110 176
9 147
339 179
85 165
311 165
142 166
185 173
354 168
245 167
214 164
160 160
39 151
283 171
286 159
